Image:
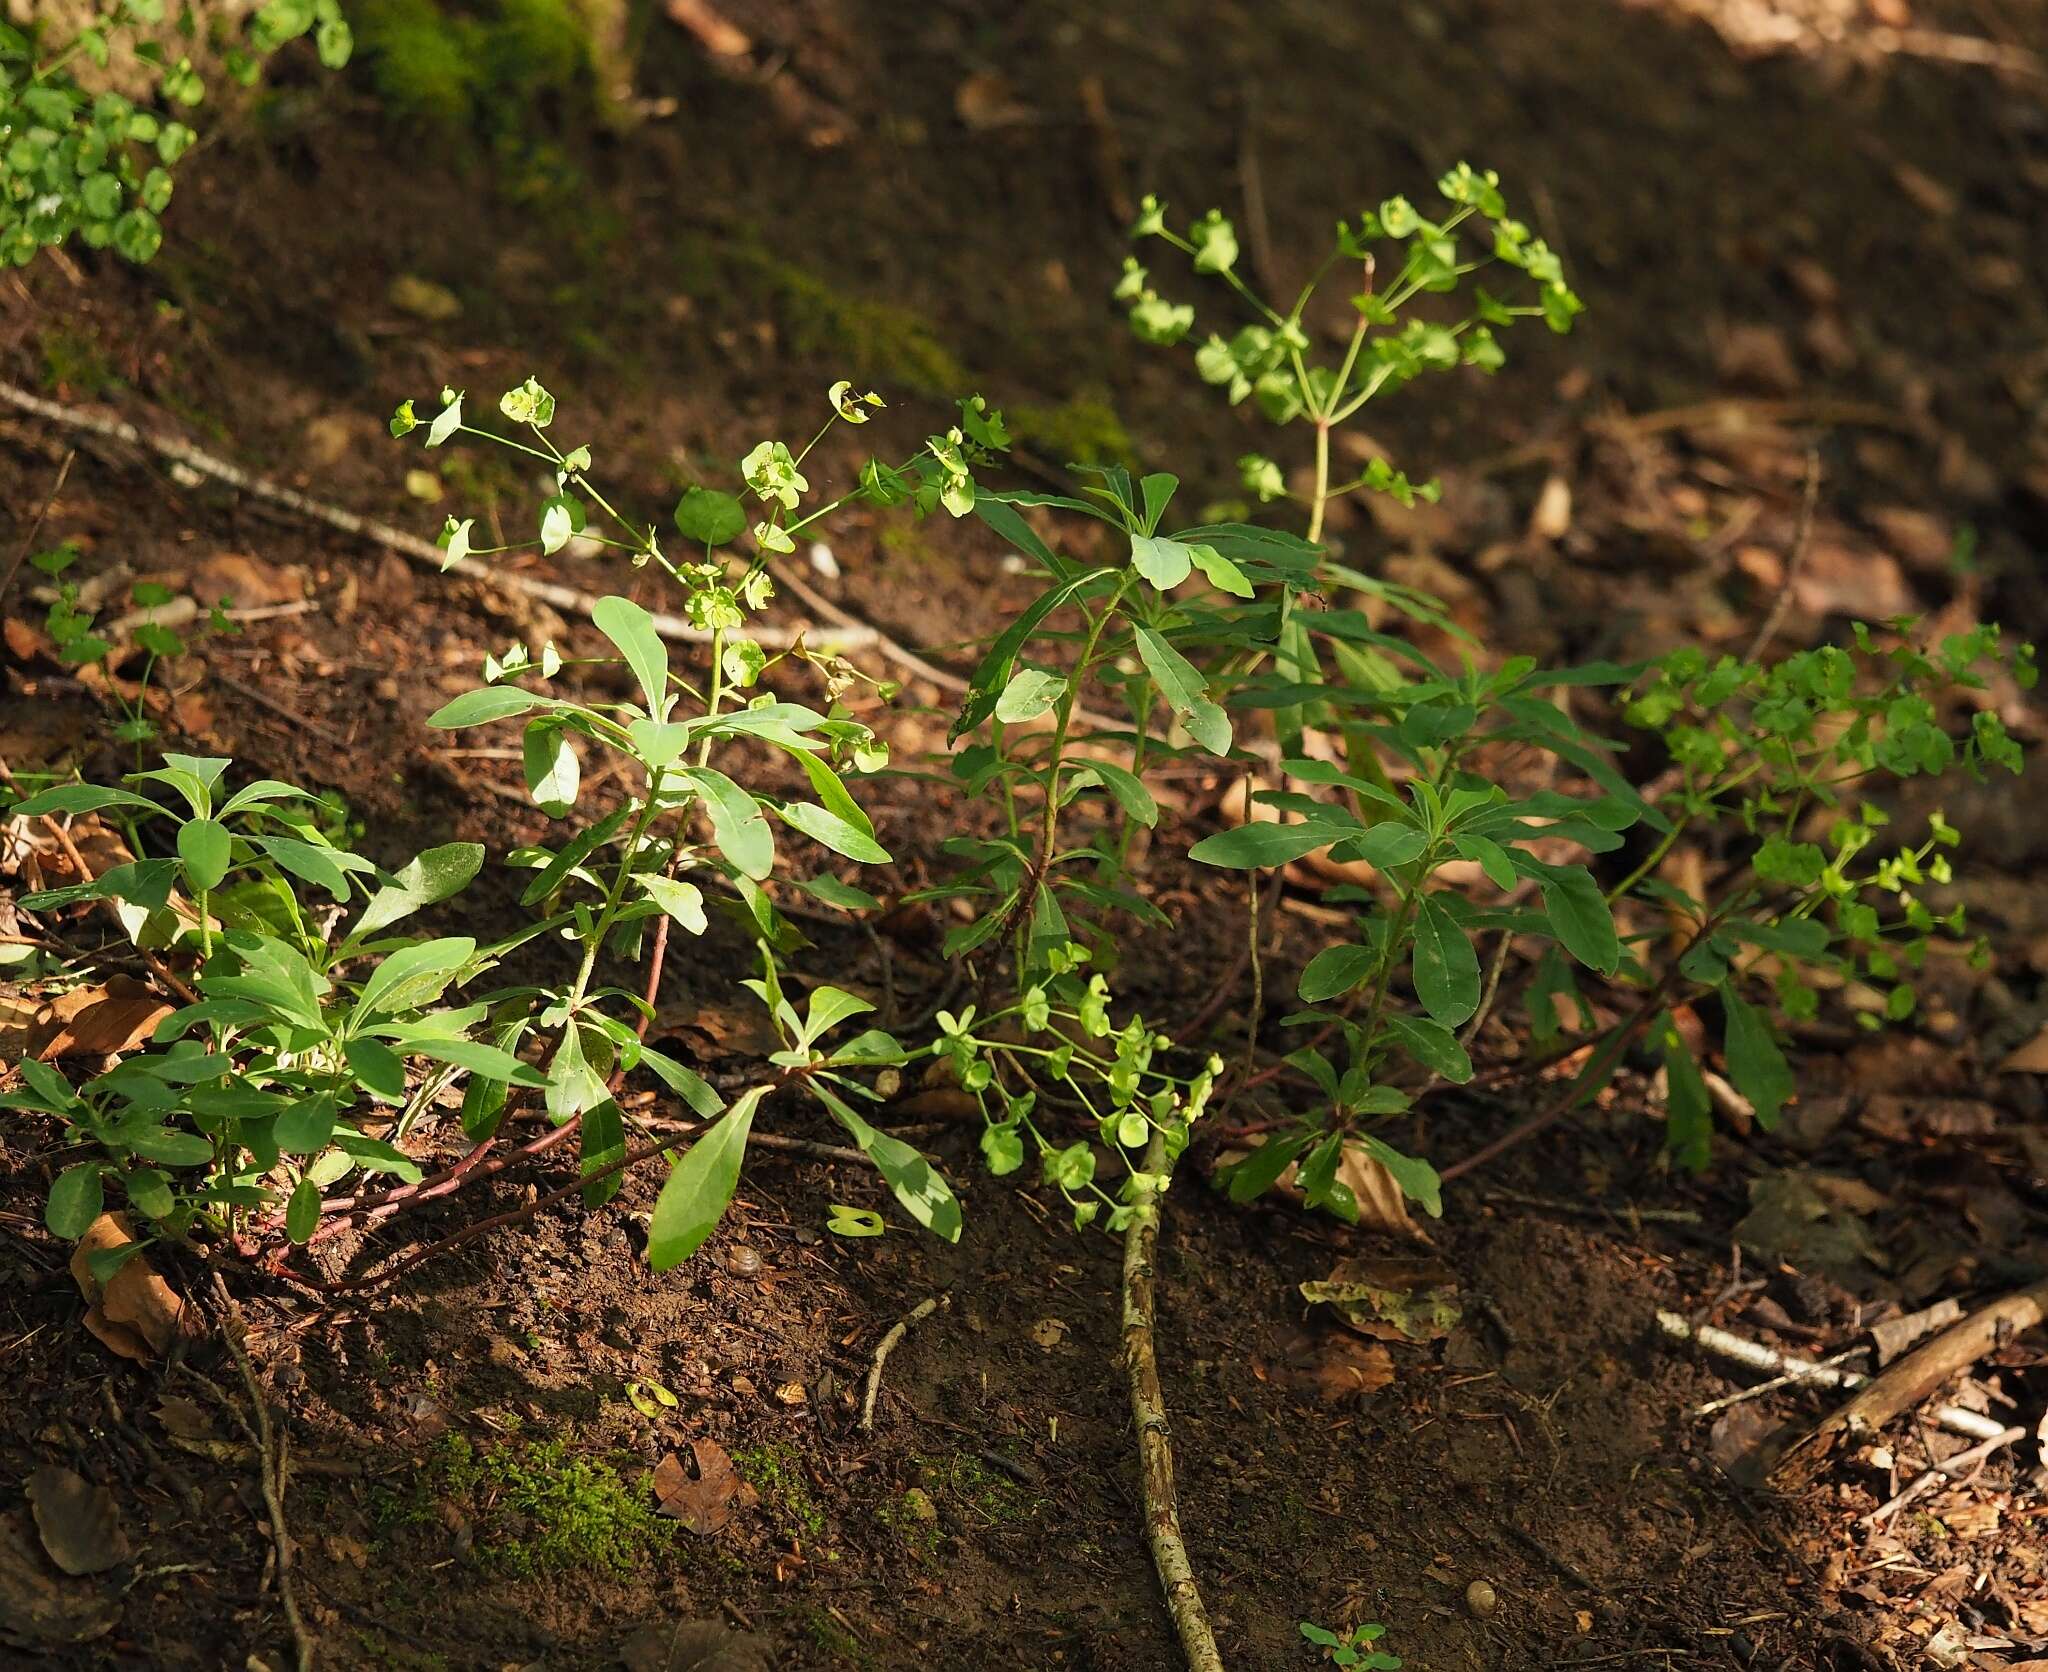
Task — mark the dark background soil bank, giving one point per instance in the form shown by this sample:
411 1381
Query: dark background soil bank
1851 249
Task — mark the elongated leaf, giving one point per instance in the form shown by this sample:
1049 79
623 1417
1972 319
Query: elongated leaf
377 1068
327 868
737 826
1445 966
1334 970
828 1007
80 798
1689 1112
1383 845
1433 1045
484 1062
207 850
1129 792
302 1211
1180 682
831 831
426 879
554 772
1755 1062
685 1083
631 628
1579 917
1259 1171
1261 843
700 1185
413 975
603 1140
1030 693
1165 563
925 1195
1417 1178
76 1198
485 704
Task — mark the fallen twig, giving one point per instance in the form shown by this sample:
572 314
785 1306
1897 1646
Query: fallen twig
1148 1412
1795 560
887 1345
852 636
1945 1468
1916 1376
1759 1357
270 1466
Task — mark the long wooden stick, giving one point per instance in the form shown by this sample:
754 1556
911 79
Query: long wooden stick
1148 1412
844 636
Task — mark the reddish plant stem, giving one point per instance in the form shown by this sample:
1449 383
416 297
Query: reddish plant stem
368 1210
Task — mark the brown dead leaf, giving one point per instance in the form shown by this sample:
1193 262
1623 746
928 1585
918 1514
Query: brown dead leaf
693 1646
77 1520
2030 1058
1382 1205
1335 1367
1391 1299
985 101
703 1500
25 642
135 1313
247 582
98 1021
18 1014
735 1029
36 1607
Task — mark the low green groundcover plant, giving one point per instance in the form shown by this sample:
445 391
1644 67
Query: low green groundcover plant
319 1028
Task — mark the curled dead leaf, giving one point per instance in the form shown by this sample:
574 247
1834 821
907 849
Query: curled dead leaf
134 1312
1391 1299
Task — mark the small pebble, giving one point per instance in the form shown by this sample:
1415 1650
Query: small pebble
743 1261
1480 1599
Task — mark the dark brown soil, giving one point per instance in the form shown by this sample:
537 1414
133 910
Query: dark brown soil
1792 231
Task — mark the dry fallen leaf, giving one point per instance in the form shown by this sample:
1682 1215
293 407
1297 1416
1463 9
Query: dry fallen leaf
135 1312
39 1609
1048 1333
693 1646
77 1520
704 1501
2030 1058
1336 1366
1391 1299
98 1021
985 100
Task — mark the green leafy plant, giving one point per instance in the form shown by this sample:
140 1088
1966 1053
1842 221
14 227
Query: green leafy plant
1353 1648
298 1031
1777 755
71 630
85 160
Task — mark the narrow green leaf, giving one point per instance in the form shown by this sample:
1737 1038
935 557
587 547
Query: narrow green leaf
1335 970
737 826
631 628
1756 1063
1579 917
1446 968
700 1185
